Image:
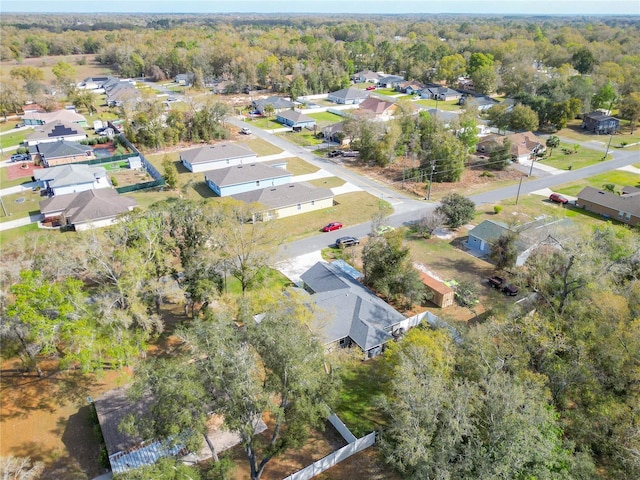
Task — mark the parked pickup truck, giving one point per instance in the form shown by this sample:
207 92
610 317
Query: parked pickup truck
501 284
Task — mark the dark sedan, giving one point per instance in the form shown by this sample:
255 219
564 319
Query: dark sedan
347 242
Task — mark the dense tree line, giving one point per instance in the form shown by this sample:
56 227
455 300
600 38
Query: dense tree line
546 390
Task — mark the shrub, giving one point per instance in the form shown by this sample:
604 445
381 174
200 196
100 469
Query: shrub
487 174
114 181
497 209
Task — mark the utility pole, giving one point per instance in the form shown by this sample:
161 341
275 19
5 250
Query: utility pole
518 194
404 163
433 167
608 145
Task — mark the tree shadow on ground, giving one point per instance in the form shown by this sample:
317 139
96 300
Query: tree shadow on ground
60 467
81 440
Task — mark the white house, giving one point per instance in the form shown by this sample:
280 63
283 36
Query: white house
71 178
244 178
218 155
348 96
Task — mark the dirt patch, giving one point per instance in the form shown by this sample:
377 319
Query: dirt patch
473 179
48 419
21 170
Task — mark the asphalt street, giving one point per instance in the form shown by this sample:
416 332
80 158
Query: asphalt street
407 209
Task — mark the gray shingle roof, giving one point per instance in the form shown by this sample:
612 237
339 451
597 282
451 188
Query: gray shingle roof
489 230
56 129
217 152
278 103
245 173
296 117
345 307
62 148
629 203
72 174
285 195
350 93
88 206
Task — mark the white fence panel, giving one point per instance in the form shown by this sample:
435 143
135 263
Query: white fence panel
342 428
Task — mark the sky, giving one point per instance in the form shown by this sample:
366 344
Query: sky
525 7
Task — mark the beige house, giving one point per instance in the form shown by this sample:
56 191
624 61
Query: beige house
377 109
625 208
524 146
288 200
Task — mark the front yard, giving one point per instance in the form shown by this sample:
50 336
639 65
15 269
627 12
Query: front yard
568 156
451 105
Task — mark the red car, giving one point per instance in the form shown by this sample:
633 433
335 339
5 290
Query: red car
556 197
371 87
332 226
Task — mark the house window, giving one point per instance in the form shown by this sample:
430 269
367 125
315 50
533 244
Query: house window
299 206
620 215
627 217
257 183
313 202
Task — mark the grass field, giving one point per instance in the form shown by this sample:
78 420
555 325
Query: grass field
20 205
326 118
328 182
262 147
14 138
582 158
264 123
451 105
297 166
619 178
305 138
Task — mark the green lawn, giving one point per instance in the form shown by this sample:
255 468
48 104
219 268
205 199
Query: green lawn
329 182
14 138
360 387
305 138
326 118
391 92
262 147
264 123
297 166
8 125
20 205
582 158
451 105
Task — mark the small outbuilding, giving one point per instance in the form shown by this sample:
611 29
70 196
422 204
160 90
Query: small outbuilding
443 295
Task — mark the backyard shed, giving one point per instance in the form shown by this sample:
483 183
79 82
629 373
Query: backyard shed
443 296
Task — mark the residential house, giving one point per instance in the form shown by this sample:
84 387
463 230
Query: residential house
440 93
481 102
88 209
66 179
366 76
600 123
122 93
54 132
63 152
442 295
295 119
288 200
483 236
411 87
376 108
390 81
466 85
185 79
245 178
335 133
65 116
127 452
625 208
217 155
529 236
346 312
97 83
279 104
348 96
524 146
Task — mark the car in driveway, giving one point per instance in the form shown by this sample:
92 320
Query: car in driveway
347 242
19 157
557 198
330 227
